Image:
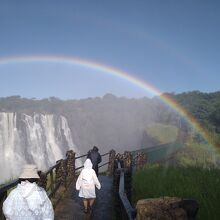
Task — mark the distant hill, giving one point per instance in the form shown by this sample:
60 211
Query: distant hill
205 107
125 123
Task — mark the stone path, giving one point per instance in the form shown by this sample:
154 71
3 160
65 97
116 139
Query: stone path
71 207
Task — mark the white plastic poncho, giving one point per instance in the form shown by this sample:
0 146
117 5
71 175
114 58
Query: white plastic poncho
28 202
87 181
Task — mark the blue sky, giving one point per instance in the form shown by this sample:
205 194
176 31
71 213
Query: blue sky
172 45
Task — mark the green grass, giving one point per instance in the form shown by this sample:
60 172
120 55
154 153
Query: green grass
197 155
197 183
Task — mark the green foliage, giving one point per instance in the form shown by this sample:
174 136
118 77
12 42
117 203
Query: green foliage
197 183
205 107
163 133
196 155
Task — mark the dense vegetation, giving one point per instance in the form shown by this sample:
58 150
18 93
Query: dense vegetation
193 172
191 182
196 155
205 107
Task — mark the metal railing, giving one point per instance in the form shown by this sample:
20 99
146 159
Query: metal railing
158 153
122 186
130 212
85 155
52 185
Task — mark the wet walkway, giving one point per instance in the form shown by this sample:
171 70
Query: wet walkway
102 208
71 207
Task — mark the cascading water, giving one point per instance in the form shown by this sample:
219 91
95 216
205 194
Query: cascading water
9 142
39 138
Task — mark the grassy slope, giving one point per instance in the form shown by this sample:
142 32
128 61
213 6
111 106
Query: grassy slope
196 155
201 184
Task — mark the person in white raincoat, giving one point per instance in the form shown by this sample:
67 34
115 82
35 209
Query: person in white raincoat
86 183
28 201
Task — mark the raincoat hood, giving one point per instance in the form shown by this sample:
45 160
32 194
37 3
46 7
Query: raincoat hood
27 190
88 164
28 202
87 180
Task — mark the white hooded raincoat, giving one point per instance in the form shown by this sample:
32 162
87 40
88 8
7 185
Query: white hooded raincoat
87 181
28 202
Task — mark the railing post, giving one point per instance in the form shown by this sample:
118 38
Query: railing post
43 180
116 177
52 180
3 196
61 173
128 160
140 160
120 159
70 163
128 174
111 162
116 181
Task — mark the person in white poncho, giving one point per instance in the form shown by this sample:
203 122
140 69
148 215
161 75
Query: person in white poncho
86 183
28 201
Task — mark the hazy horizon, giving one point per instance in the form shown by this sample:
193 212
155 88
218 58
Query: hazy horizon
93 97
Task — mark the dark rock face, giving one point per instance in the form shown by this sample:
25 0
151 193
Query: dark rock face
191 207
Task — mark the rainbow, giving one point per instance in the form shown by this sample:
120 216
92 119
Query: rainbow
105 69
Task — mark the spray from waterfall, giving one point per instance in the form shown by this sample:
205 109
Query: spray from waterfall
39 138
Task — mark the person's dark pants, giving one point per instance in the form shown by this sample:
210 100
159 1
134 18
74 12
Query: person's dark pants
96 168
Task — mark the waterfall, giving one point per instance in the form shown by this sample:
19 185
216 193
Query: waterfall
39 138
9 142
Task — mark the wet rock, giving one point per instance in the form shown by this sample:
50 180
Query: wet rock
165 208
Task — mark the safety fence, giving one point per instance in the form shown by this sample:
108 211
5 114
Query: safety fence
157 153
125 164
122 187
101 165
